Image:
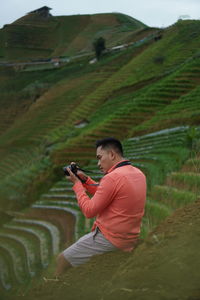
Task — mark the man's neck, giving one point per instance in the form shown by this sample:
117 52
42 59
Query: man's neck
117 161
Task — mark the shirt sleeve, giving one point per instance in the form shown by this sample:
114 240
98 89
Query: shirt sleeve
91 186
103 197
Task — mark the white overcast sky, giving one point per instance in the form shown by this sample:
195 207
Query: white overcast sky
158 13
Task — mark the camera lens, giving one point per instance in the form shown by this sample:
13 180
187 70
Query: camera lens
72 167
65 170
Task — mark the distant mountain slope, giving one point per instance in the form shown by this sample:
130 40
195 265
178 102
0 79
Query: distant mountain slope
33 36
134 67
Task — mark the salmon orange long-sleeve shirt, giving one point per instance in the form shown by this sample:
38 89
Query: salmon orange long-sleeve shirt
117 203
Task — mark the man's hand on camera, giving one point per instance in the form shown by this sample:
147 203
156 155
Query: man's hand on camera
73 178
81 174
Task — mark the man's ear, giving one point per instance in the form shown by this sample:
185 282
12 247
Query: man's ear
112 155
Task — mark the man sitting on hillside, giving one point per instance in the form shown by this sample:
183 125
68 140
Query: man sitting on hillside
117 203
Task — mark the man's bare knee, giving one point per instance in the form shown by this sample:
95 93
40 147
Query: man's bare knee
62 264
62 260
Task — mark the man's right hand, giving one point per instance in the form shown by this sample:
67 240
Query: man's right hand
81 174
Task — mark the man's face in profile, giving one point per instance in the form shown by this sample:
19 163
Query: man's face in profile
104 157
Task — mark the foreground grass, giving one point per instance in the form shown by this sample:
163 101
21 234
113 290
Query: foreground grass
165 266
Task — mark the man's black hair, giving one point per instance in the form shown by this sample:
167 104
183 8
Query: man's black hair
110 143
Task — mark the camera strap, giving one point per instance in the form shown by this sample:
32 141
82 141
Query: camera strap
121 164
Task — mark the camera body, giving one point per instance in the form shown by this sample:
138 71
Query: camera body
73 167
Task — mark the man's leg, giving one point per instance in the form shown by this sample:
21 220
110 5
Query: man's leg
80 252
62 265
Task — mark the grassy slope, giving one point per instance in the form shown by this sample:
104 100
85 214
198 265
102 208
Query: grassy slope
165 266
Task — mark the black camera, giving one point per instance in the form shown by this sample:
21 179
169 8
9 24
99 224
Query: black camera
73 167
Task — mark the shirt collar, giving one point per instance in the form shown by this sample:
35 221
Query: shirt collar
113 167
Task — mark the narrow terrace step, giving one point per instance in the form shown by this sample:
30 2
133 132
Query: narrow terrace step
18 252
160 135
154 145
29 253
186 181
56 208
63 184
63 220
59 203
45 226
5 276
160 149
61 190
12 263
172 197
192 165
30 242
58 196
78 153
39 237
60 159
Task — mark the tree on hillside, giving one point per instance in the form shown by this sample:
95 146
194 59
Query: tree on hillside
99 46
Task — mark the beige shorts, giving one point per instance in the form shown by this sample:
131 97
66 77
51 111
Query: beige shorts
93 243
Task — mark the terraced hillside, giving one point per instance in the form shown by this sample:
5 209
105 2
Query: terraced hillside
50 105
38 232
34 36
146 95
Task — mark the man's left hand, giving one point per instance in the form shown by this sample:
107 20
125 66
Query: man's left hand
72 177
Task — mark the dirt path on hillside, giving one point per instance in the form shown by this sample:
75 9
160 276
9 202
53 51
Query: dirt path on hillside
164 267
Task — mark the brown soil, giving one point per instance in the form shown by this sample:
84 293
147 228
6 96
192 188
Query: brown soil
166 266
